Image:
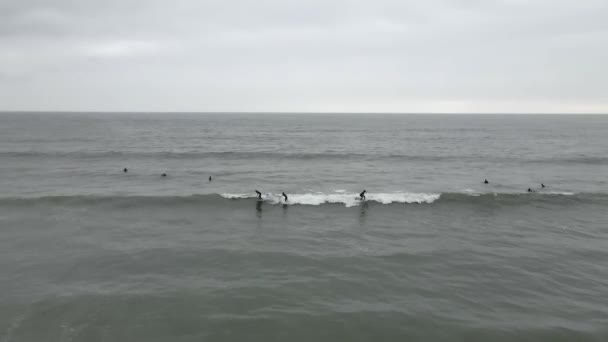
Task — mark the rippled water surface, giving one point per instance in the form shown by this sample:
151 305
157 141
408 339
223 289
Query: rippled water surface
90 253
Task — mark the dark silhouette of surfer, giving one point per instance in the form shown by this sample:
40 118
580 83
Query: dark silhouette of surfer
164 175
210 178
125 170
362 195
542 185
285 197
529 189
259 194
485 181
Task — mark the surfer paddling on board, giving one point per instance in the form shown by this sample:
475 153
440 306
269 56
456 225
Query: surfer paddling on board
284 196
362 195
485 181
259 194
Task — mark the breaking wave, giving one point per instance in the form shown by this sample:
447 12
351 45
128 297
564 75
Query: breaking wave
316 199
348 199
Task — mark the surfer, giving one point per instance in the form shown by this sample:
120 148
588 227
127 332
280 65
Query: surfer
259 194
542 185
362 195
125 170
485 181
210 178
529 189
285 196
164 175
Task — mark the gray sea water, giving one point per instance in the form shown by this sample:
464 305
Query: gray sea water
90 253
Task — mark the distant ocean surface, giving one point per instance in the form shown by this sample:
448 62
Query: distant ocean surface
91 253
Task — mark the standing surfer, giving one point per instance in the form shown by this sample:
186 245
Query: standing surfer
259 194
362 195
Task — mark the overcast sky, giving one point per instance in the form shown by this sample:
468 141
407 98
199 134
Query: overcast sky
306 55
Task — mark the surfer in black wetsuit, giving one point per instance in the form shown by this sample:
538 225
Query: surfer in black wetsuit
210 178
362 195
285 197
125 170
259 194
485 181
164 175
529 189
542 185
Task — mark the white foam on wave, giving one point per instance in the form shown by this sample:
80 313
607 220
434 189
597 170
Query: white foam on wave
236 196
348 199
567 193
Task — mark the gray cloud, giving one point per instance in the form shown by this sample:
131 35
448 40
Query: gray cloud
286 55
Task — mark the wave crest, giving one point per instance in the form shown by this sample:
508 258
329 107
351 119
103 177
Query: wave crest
348 199
316 199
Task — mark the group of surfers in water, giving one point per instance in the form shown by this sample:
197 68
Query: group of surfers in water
529 189
361 195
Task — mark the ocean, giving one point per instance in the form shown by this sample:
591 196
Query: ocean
91 253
